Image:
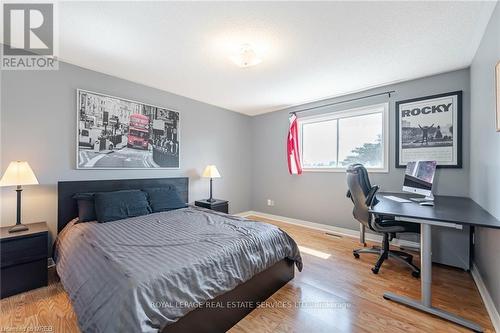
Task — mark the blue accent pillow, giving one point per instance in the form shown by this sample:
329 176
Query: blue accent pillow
118 205
163 199
86 207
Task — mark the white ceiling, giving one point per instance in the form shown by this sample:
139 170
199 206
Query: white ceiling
310 50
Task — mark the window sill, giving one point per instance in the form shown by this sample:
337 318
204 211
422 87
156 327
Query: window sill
340 170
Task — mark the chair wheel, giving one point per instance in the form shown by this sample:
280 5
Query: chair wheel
415 274
356 255
375 270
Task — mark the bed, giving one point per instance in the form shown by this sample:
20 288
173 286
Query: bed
187 270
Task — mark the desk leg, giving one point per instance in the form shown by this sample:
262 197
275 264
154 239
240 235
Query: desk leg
426 264
425 304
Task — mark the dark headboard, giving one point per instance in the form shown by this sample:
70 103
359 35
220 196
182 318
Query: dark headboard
66 205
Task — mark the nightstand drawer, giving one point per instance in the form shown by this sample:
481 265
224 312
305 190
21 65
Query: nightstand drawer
23 277
16 251
217 205
221 208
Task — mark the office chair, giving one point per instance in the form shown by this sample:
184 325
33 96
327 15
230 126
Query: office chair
363 196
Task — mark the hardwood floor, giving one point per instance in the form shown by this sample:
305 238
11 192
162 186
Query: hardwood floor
333 293
343 280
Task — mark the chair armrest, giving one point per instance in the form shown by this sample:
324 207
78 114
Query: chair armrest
370 198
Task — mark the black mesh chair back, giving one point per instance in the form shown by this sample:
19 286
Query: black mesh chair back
361 192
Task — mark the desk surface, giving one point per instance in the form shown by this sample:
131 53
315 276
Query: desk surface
459 210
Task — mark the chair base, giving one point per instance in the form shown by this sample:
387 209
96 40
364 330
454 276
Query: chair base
402 257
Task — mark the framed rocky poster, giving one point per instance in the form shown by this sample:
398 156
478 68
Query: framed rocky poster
430 128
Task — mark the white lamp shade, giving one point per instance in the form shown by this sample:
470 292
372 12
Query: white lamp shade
18 173
211 172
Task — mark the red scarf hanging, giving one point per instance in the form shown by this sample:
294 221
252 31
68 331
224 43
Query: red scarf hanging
292 145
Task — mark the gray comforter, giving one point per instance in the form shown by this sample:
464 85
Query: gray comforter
144 273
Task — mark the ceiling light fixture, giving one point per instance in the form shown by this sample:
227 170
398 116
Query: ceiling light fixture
246 57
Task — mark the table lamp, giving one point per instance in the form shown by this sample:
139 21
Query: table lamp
18 173
211 172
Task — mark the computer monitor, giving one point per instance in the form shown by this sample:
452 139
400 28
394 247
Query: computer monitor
419 176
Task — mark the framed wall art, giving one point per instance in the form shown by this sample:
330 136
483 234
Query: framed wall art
117 133
497 88
430 128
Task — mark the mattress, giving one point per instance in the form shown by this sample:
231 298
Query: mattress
141 274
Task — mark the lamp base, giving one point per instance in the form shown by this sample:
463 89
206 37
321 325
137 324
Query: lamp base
211 200
18 227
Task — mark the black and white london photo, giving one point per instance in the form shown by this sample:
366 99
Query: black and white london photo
116 133
429 128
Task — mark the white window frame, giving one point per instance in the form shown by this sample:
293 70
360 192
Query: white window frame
365 110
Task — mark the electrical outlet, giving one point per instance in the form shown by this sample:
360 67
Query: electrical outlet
270 202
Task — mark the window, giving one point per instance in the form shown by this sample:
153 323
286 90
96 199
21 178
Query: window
331 142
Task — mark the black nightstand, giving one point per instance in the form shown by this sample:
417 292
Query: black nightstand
217 205
23 259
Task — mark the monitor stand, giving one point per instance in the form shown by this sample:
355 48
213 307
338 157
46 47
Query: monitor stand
427 198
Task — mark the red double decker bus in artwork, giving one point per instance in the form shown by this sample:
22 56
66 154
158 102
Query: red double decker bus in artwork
138 131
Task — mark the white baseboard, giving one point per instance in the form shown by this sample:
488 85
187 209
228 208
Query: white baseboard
245 214
487 300
329 228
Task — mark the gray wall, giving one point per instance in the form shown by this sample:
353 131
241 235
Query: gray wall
38 123
485 153
320 196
